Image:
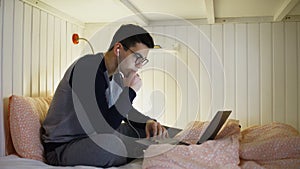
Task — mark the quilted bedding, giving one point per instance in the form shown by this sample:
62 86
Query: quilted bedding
274 145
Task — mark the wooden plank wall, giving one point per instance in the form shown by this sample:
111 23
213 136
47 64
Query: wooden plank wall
250 68
260 80
36 48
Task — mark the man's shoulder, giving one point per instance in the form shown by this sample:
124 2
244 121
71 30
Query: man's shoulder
91 57
89 62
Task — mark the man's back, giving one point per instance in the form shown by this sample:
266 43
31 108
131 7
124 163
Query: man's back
61 124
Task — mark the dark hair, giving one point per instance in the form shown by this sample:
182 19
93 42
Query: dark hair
128 35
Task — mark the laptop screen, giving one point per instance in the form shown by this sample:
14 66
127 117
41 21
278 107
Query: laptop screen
214 126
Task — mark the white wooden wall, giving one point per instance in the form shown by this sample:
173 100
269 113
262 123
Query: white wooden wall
36 48
251 69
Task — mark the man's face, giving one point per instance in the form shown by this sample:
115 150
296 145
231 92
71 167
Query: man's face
133 59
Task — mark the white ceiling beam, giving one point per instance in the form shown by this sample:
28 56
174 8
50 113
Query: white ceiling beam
209 4
178 22
141 18
284 9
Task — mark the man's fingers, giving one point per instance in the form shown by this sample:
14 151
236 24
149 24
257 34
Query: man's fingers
165 133
160 130
154 129
147 133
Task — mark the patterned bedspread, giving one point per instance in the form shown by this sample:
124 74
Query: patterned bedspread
274 145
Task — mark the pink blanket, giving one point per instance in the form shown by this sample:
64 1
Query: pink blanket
274 145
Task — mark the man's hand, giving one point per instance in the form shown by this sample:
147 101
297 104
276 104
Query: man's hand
156 129
133 80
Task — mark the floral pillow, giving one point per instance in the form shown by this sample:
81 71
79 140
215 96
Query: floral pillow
25 117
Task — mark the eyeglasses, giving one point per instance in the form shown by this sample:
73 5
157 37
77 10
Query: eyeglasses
140 60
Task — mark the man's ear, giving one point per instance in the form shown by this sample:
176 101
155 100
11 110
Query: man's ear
116 49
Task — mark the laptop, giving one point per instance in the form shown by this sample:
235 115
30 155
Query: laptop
209 134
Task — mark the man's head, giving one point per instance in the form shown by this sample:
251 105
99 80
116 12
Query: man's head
131 45
129 35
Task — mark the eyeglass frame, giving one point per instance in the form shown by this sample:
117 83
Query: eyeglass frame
138 56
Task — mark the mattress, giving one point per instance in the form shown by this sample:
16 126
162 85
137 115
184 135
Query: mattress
15 162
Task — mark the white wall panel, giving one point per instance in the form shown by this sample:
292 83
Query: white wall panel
229 68
63 47
18 49
35 52
171 88
193 76
217 75
253 74
278 72
30 41
182 72
205 72
50 54
27 43
291 67
241 74
7 47
170 78
266 73
7 52
69 43
43 54
57 53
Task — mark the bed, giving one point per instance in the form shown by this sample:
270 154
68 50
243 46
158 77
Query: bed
23 146
273 145
15 162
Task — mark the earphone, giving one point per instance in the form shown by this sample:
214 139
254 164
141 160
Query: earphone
118 57
118 52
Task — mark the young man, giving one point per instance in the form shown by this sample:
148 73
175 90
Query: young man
84 122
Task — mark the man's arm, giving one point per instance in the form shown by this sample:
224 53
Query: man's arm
137 119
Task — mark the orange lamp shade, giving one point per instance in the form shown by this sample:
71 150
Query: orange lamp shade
75 38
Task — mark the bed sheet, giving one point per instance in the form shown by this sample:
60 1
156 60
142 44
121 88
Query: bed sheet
271 146
15 162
